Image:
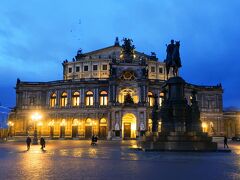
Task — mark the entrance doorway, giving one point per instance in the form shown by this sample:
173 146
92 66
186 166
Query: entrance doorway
51 131
103 128
88 132
74 131
62 131
103 132
127 130
129 126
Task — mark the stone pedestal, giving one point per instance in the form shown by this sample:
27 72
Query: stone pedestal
181 125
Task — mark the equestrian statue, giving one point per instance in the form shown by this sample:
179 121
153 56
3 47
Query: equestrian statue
173 57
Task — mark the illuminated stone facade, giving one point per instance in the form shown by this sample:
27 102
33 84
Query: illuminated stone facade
104 93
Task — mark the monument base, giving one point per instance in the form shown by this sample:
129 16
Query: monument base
178 141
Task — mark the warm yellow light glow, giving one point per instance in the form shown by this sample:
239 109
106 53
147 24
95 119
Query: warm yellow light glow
88 122
150 99
51 123
36 116
89 98
64 99
94 123
204 127
124 92
76 99
63 123
53 100
103 98
75 122
39 124
10 123
130 118
159 126
150 125
103 121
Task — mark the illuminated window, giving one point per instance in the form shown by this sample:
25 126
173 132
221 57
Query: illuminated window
159 126
89 99
64 99
204 127
103 121
161 98
103 98
150 99
75 99
150 125
53 100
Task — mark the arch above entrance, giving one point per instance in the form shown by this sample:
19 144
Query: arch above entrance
129 125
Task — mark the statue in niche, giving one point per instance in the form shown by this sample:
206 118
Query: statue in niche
128 99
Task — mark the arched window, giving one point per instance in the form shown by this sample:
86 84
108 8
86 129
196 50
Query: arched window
64 99
103 98
89 98
75 99
88 122
53 100
150 99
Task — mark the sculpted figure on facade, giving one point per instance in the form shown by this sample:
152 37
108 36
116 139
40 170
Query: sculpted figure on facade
128 50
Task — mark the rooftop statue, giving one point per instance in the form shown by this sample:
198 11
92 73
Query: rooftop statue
128 49
173 57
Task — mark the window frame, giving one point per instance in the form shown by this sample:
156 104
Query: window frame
85 67
95 65
103 98
89 99
104 65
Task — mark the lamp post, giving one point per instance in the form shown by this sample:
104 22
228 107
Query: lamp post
35 117
10 125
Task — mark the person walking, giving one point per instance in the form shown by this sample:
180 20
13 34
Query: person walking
28 141
93 140
225 142
42 143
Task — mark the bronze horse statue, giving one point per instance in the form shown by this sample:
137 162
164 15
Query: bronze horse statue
173 58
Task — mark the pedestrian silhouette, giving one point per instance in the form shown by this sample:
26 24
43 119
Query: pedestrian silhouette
28 141
225 142
42 143
93 140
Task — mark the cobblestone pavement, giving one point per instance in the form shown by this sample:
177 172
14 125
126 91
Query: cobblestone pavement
72 159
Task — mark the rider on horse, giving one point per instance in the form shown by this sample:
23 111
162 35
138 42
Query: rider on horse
173 57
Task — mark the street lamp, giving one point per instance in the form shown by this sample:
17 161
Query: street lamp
10 125
35 117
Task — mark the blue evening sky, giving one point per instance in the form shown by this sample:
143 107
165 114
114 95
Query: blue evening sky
37 35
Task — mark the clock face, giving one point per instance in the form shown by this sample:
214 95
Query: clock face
128 75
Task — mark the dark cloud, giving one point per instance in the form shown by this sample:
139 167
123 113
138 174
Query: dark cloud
35 36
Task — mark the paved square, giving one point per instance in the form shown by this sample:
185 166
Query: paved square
73 159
